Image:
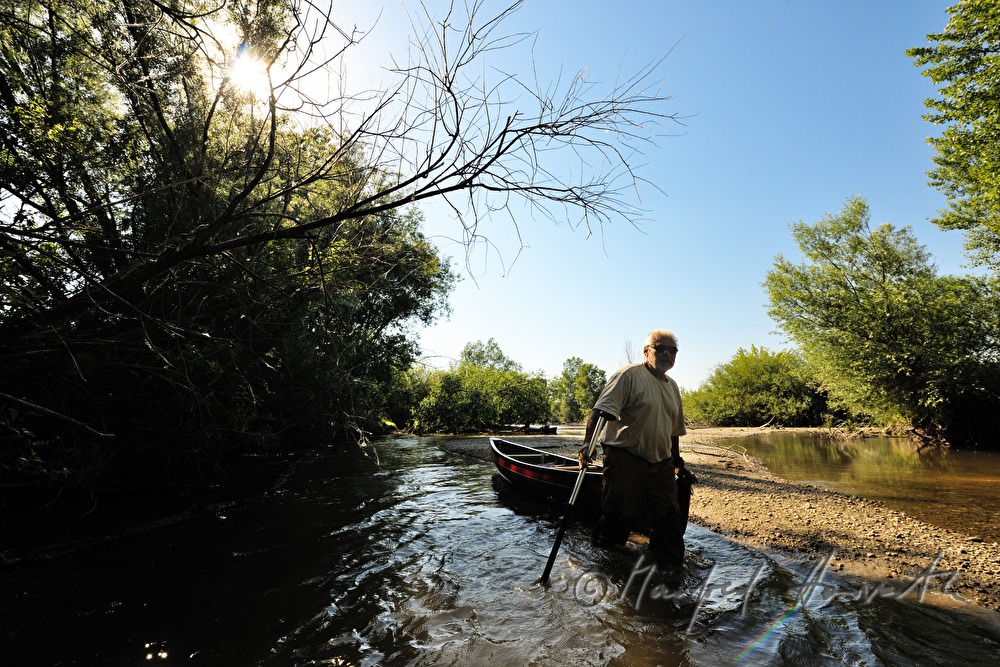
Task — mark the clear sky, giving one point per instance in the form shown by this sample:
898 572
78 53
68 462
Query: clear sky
792 106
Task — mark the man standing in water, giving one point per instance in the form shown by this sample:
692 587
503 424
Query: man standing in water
641 451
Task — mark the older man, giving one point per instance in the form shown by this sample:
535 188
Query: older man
641 451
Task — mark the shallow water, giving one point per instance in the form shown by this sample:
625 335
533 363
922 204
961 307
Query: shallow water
949 488
422 557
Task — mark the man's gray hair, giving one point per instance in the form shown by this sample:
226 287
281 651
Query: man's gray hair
660 333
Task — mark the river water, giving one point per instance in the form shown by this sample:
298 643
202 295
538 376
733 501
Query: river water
409 555
949 488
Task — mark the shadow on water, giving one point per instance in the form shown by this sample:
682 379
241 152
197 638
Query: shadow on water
425 559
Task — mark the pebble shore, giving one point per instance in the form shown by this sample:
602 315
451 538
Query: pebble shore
738 498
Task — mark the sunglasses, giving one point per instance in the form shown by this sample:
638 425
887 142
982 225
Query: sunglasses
664 348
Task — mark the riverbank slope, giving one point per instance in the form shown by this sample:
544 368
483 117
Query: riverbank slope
737 497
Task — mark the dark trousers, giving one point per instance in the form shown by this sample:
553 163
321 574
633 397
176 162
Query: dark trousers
636 490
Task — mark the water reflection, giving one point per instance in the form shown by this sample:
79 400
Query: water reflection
954 489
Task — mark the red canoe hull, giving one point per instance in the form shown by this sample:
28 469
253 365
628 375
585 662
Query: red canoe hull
550 476
544 474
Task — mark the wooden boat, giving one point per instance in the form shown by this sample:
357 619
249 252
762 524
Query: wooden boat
552 476
543 474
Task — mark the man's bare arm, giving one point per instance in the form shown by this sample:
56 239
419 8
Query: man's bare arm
585 455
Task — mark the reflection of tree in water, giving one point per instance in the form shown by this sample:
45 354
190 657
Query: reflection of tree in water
954 489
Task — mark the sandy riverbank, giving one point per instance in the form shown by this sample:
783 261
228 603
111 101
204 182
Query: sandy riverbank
737 497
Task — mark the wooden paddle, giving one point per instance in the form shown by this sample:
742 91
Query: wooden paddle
594 437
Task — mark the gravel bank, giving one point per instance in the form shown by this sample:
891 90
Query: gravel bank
737 497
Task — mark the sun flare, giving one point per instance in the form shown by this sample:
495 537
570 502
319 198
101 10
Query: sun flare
248 74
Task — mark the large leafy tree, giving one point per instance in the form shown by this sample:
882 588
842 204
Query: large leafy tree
587 386
758 387
886 335
486 355
562 395
484 390
964 62
575 390
188 258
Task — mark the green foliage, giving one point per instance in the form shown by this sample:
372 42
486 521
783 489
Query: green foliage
964 61
189 269
483 391
587 386
185 273
486 355
575 390
758 387
884 334
408 389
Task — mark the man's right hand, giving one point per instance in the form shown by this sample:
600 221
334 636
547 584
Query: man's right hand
583 456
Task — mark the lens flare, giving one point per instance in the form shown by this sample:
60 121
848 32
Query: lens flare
248 73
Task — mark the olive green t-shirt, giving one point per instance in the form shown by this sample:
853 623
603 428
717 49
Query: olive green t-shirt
649 412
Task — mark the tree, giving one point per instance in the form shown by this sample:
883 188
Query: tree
483 391
563 404
240 256
487 355
575 390
587 386
758 387
449 406
885 335
965 63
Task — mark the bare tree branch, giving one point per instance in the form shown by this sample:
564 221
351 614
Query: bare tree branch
153 211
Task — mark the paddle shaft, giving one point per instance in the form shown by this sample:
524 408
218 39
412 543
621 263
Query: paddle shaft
595 436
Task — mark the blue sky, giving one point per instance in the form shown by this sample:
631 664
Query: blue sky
792 107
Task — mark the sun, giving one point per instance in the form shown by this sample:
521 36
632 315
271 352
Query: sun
248 73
